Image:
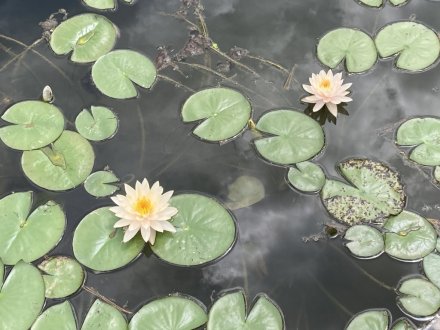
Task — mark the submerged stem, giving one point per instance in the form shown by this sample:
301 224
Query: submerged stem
175 83
95 292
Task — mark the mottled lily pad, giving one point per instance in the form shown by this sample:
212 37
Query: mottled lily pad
431 268
307 177
102 316
61 166
417 47
374 319
419 297
380 3
221 113
101 4
376 192
403 324
356 47
116 73
365 241
295 137
409 236
175 312
35 124
87 36
101 183
98 125
205 231
99 246
28 236
56 317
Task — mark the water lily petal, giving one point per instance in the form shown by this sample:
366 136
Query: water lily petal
129 234
333 108
318 106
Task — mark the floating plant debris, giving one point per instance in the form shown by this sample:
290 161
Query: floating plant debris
431 268
381 3
306 177
98 124
102 316
60 316
418 297
374 319
101 183
364 241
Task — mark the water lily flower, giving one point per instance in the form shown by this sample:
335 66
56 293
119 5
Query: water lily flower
327 89
144 209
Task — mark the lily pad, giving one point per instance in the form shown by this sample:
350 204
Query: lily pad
419 297
100 184
229 313
116 73
25 236
403 324
417 47
21 297
62 276
99 246
205 231
98 125
431 268
355 46
245 191
376 192
307 177
61 166
295 137
2 272
365 241
101 4
102 316
221 113
409 236
175 312
380 3
57 317
375 319
437 173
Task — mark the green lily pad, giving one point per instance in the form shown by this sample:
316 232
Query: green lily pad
229 313
87 36
116 73
365 241
307 177
431 268
62 166
416 45
62 277
2 273
355 46
102 316
175 312
419 297
221 113
25 236
98 246
21 297
56 317
380 3
375 319
101 4
205 231
376 192
409 236
98 125
296 137
35 124
99 184
424 133
403 324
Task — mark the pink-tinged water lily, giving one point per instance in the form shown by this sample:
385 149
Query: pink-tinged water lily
144 209
327 90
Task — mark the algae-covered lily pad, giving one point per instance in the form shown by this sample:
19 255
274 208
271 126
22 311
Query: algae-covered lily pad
431 268
307 177
87 36
62 276
380 3
205 232
35 124
294 138
56 317
99 124
374 319
419 297
101 4
174 312
229 313
356 47
221 113
417 47
116 73
28 236
409 236
98 246
403 324
365 241
21 297
376 192
102 316
101 183
61 166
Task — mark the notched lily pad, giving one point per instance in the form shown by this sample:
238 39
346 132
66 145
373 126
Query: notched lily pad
374 319
99 124
306 177
102 316
365 241
403 324
101 183
61 316
431 268
419 297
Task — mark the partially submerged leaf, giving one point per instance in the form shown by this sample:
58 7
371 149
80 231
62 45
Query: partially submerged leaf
56 317
431 268
403 324
101 4
307 177
365 241
374 319
102 316
245 191
419 297
100 184
98 125
380 3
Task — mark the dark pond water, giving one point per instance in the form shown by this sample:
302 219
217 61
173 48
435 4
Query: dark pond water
318 285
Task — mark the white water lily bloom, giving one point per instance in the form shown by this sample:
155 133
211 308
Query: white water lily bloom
327 89
144 209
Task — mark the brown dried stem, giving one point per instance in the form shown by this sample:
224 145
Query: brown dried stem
95 292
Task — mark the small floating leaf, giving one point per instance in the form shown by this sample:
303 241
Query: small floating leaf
356 47
409 236
370 320
416 45
431 267
365 241
63 166
175 312
56 317
28 237
99 184
205 232
296 137
89 36
63 276
380 3
403 324
307 177
245 191
116 73
419 297
35 125
102 316
98 125
101 4
99 246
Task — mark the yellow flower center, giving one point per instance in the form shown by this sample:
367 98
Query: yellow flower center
325 84
143 206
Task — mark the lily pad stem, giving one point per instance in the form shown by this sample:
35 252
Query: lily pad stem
95 293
